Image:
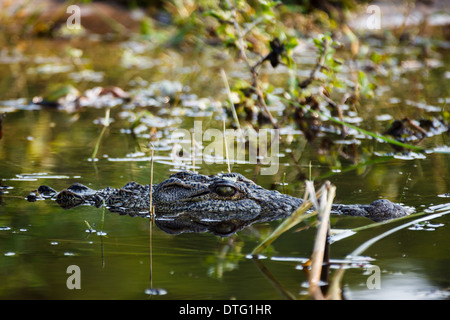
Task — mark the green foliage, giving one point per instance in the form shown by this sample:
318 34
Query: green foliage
327 47
255 31
256 23
327 62
366 88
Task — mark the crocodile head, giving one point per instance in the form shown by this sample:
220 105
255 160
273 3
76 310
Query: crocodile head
220 197
222 203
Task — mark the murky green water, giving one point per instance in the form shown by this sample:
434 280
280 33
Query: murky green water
39 241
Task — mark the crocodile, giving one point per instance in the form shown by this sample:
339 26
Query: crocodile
222 203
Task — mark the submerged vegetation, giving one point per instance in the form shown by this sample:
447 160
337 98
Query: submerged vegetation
119 96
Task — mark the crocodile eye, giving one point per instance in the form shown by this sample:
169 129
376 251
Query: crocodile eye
225 191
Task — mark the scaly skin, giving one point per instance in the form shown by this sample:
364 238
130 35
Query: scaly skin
221 197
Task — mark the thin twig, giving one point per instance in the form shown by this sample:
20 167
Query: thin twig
151 182
105 125
319 65
152 214
226 146
278 286
416 127
241 47
230 98
252 25
151 255
193 154
336 107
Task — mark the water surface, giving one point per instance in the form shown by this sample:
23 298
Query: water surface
38 241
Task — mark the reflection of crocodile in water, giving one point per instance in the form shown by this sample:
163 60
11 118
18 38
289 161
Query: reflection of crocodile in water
222 204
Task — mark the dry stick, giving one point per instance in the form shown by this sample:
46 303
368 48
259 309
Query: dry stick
320 242
261 99
416 127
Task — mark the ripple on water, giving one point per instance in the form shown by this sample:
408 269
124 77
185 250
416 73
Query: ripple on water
426 226
36 176
155 292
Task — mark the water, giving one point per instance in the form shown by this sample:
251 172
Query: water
39 241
